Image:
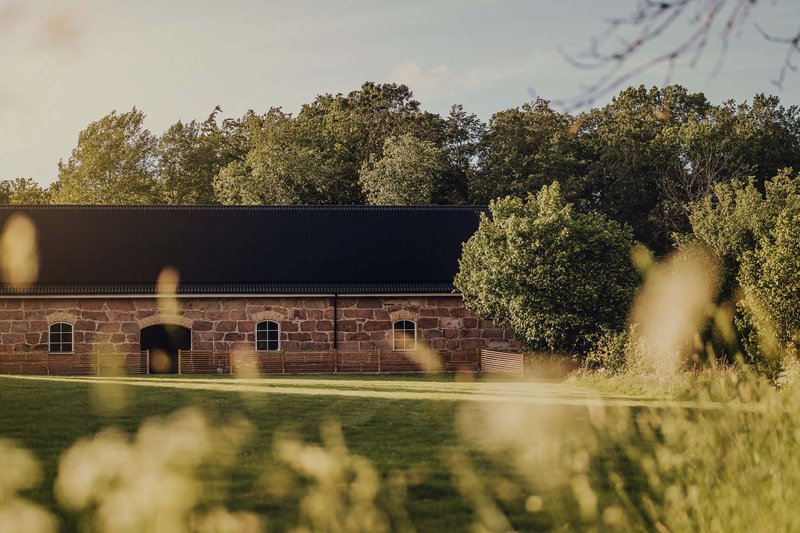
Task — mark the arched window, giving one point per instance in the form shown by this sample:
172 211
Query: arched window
405 335
60 337
268 335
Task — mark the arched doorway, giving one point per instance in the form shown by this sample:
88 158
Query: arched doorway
164 341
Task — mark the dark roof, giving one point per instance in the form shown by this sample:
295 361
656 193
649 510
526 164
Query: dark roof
87 250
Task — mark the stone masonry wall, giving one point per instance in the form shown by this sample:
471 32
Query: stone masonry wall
364 323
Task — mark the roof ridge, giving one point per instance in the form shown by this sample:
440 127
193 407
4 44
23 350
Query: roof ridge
159 207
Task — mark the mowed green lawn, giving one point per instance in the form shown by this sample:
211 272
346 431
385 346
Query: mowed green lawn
460 446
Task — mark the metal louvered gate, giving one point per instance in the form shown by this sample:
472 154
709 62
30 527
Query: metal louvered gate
505 363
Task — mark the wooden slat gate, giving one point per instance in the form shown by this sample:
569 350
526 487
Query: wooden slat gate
203 362
506 363
131 363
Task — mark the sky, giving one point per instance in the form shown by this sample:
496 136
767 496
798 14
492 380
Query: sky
66 63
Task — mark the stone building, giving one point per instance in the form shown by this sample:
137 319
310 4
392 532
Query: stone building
258 279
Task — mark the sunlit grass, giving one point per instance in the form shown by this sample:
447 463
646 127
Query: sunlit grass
512 393
401 439
404 453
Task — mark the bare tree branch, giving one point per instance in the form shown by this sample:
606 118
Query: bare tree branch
792 49
652 21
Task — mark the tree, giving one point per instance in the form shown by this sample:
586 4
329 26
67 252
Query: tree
770 278
235 183
649 153
736 216
268 173
556 275
190 156
623 167
697 153
730 141
23 191
345 131
113 163
315 158
281 167
751 232
525 149
464 134
408 173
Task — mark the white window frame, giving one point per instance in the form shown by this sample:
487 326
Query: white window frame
267 340
61 343
406 339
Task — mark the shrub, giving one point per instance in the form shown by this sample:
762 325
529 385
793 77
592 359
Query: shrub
608 350
770 276
556 275
756 236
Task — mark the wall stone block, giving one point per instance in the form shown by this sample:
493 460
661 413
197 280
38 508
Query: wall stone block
119 304
86 325
378 325
324 325
347 325
369 303
428 323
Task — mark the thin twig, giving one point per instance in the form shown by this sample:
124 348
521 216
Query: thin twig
654 20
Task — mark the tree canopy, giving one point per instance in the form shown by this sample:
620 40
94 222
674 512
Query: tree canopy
755 234
113 163
408 173
23 191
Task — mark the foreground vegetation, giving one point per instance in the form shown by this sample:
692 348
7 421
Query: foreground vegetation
405 454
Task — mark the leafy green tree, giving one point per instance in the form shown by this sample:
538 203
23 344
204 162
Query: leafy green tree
190 156
463 133
113 163
623 169
280 167
315 158
232 185
769 136
727 142
265 175
23 191
345 131
751 232
736 216
556 275
770 277
408 173
525 149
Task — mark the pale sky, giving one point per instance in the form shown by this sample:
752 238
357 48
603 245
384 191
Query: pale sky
65 63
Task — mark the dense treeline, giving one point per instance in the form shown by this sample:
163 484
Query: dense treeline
640 160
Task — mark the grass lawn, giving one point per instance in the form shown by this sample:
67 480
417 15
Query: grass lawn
401 424
447 454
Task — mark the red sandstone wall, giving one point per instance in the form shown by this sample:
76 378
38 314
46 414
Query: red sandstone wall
113 324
